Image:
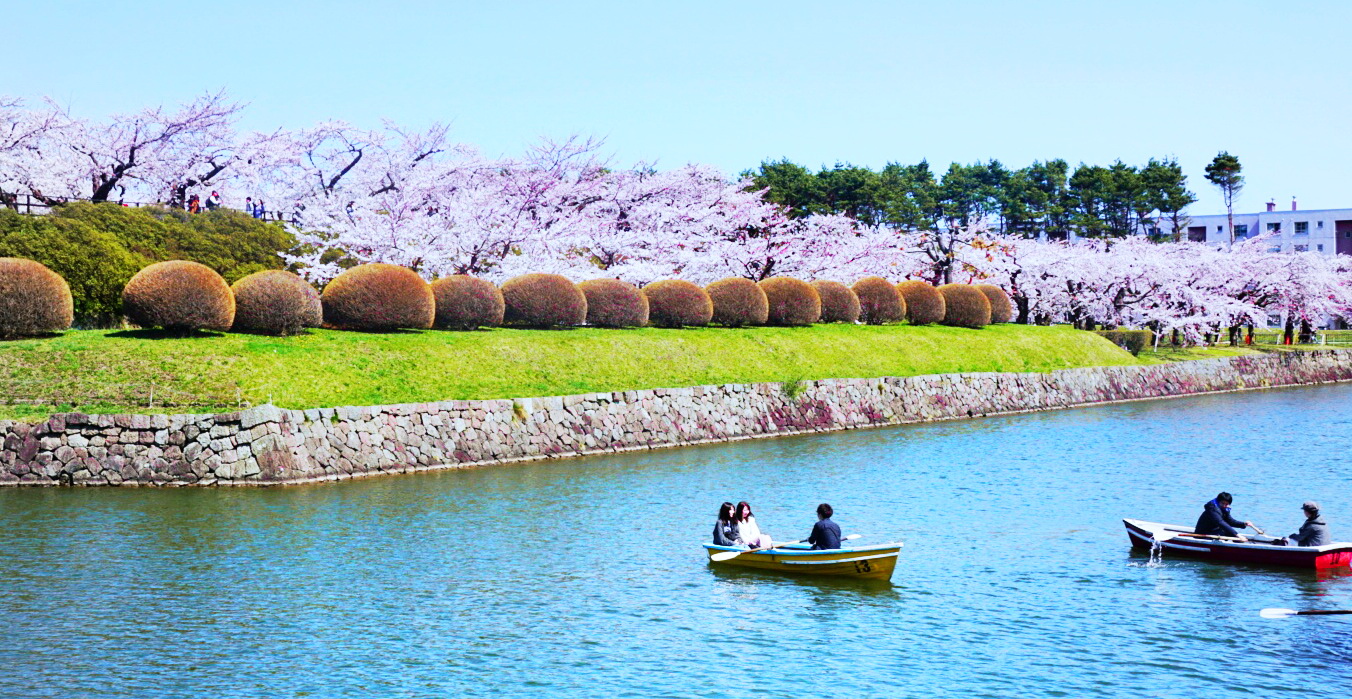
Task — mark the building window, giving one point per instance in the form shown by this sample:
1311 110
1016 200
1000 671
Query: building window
1320 247
1241 230
1155 231
1302 248
1220 229
1275 227
1302 227
1320 225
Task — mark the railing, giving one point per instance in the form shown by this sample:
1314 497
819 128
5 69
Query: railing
27 204
1334 338
147 395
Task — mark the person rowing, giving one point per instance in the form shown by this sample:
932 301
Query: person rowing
1216 519
825 533
1314 532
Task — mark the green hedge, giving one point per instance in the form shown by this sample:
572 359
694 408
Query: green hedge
1131 340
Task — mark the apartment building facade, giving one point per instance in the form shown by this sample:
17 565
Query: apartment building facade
1328 231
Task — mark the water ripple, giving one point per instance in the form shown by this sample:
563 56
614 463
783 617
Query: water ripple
581 578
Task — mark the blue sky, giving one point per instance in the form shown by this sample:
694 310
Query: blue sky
732 84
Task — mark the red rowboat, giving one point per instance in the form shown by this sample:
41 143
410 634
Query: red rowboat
1178 539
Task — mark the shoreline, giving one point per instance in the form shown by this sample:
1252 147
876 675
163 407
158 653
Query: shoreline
267 446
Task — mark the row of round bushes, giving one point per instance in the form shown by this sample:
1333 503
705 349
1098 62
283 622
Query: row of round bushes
185 296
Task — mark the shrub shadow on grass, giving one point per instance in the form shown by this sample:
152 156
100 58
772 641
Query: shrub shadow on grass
397 331
259 333
41 336
161 334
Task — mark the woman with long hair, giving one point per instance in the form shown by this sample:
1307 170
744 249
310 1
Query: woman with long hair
748 530
725 529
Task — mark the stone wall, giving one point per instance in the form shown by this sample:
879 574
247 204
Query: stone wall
267 445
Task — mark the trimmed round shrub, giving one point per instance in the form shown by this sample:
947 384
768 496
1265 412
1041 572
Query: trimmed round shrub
879 301
1002 311
737 302
924 303
612 303
543 301
180 296
839 303
676 303
792 301
466 303
965 306
275 302
34 300
377 297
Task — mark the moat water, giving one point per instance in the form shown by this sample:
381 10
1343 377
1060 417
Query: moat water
585 577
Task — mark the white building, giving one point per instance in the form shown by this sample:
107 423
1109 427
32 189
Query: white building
1317 230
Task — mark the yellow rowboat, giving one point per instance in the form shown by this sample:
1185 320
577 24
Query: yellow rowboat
867 562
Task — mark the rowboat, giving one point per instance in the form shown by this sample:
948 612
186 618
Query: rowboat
866 562
1179 539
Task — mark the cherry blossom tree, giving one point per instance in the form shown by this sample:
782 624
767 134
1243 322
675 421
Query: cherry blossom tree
150 152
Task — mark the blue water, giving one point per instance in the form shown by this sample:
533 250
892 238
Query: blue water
584 577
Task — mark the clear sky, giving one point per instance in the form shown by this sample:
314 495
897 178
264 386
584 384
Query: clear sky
732 84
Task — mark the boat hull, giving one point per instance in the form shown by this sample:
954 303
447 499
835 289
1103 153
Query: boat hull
866 562
1255 551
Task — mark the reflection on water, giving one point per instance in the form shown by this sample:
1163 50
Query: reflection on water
585 577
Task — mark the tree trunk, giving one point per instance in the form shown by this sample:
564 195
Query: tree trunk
1021 302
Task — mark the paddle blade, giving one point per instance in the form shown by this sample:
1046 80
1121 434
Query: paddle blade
725 556
1276 613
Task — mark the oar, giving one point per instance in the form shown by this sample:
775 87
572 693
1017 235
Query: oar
1160 536
1276 613
729 555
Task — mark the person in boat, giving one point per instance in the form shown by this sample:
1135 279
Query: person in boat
1314 532
1216 519
725 529
748 531
825 533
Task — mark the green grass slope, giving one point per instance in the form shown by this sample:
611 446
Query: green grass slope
108 371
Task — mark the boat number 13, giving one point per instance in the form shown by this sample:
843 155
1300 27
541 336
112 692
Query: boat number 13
862 567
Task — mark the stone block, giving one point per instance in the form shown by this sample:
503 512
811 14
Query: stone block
259 415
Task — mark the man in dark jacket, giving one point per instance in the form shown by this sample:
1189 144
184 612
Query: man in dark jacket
1314 532
825 533
1216 519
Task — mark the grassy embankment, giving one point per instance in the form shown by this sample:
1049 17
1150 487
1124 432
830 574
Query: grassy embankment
108 371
